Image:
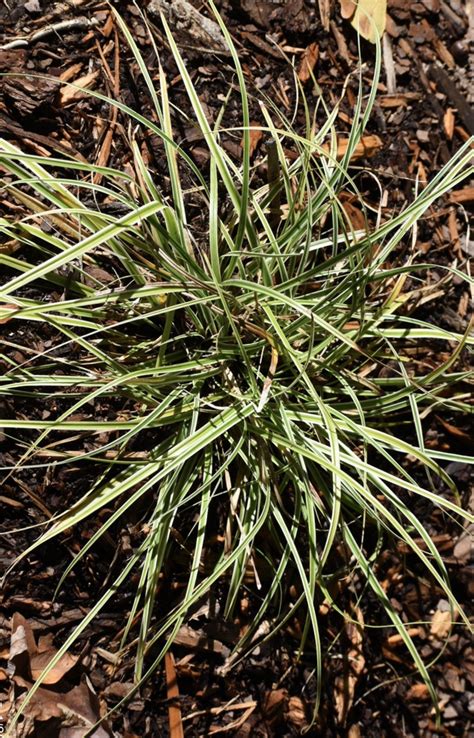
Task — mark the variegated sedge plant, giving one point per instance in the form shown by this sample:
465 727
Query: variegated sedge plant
255 383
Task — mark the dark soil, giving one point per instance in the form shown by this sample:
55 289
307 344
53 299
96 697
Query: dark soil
420 123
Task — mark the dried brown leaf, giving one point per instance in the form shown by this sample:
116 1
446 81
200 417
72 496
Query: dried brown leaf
367 146
78 708
30 660
274 706
347 8
259 11
354 214
22 646
308 62
11 308
465 195
448 123
370 18
41 660
418 693
453 430
354 665
296 713
441 624
256 136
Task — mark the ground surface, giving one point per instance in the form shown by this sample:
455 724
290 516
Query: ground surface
370 689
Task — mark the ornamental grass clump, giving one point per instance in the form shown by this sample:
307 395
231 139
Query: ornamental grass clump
251 426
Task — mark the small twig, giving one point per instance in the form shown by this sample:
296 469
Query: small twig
67 25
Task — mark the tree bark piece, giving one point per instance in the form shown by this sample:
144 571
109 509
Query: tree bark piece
185 20
445 83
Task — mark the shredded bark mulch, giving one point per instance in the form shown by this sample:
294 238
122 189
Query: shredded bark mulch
423 114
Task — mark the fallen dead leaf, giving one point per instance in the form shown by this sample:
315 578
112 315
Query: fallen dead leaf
274 706
29 660
356 216
465 195
418 693
259 11
256 136
370 18
22 646
296 713
78 708
353 666
96 274
448 123
441 624
347 8
45 653
367 146
308 62
354 732
456 432
10 310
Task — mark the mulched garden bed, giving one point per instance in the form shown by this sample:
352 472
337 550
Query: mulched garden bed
422 116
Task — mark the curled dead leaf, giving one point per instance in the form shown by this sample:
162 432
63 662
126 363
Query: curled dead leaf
354 213
6 312
274 706
353 666
354 732
78 710
347 8
256 136
29 660
296 713
418 693
42 658
308 62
